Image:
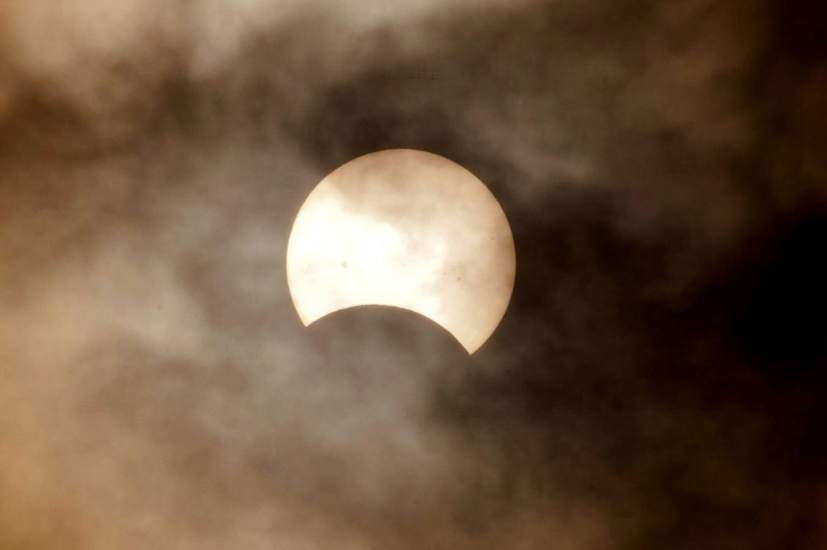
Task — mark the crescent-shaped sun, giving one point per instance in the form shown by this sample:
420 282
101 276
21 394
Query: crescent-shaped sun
408 229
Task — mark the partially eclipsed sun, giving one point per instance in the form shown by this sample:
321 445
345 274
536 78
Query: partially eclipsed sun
407 229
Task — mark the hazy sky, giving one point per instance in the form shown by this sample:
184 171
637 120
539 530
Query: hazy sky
658 380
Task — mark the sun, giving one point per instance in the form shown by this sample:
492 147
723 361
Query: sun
408 229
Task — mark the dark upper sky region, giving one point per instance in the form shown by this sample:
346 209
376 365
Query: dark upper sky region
658 381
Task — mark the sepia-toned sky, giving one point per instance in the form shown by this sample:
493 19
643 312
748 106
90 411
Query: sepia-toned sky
658 380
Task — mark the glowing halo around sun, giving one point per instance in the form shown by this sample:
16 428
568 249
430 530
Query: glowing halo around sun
408 229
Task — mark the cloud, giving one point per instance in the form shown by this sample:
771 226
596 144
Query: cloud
657 165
